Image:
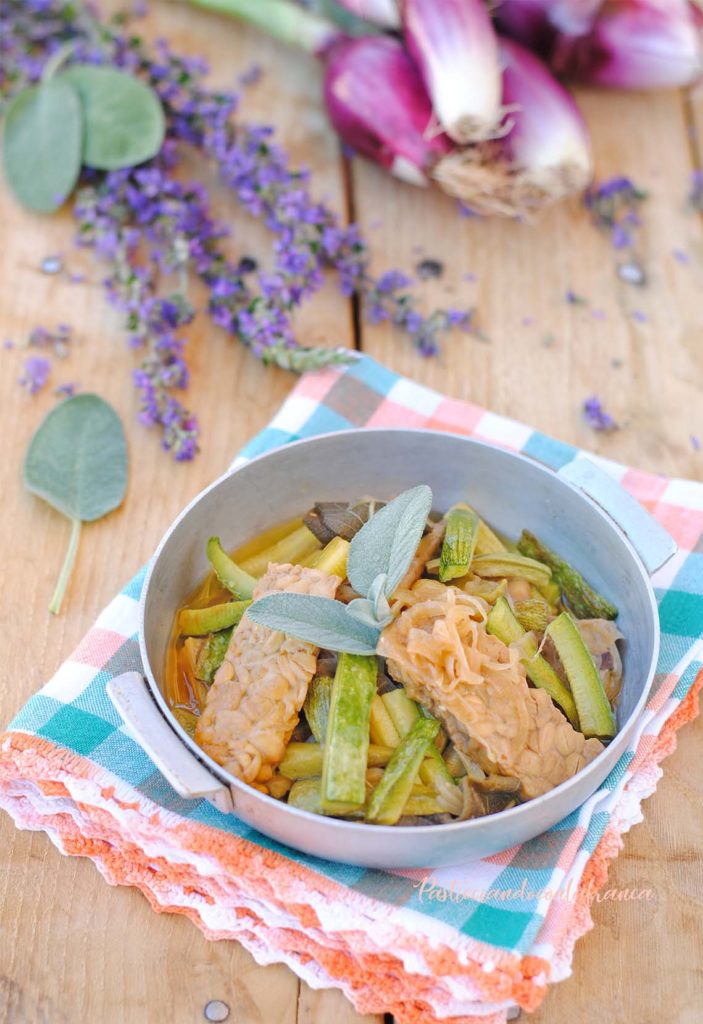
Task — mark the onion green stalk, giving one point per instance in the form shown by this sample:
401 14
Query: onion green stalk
379 12
281 19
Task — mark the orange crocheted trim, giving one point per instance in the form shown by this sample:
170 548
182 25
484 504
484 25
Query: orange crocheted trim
375 980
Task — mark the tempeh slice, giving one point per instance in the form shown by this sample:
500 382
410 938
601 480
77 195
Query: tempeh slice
259 689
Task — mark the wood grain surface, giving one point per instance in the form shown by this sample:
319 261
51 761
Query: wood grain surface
71 948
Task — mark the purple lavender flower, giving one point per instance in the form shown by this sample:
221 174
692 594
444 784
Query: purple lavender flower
596 416
147 224
36 374
614 206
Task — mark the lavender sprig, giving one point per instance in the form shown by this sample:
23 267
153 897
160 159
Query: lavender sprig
614 206
148 226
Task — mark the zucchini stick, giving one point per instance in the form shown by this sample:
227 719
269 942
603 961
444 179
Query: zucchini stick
305 794
404 712
293 549
201 621
583 600
347 740
595 714
503 624
230 575
508 564
304 760
391 794
317 707
459 543
381 724
420 805
487 542
332 558
265 540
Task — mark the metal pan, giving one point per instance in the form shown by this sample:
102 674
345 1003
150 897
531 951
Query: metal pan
579 511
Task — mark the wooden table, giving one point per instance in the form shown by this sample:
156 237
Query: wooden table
72 949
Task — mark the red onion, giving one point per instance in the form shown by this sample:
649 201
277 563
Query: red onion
637 44
537 23
543 156
377 103
454 45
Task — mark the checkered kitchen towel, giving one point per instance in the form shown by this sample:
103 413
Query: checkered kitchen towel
454 947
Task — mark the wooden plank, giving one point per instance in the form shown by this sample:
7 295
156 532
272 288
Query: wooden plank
641 960
73 948
541 370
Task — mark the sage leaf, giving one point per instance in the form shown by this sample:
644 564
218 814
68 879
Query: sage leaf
319 620
362 609
123 117
41 144
388 541
77 462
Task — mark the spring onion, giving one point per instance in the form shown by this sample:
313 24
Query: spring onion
454 45
377 103
637 44
543 156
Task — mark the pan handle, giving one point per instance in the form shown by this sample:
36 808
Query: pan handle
650 540
190 779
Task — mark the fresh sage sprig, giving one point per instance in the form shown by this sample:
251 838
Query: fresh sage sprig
379 556
97 116
77 462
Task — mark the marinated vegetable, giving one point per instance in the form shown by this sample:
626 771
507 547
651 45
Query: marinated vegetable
459 543
426 673
585 602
